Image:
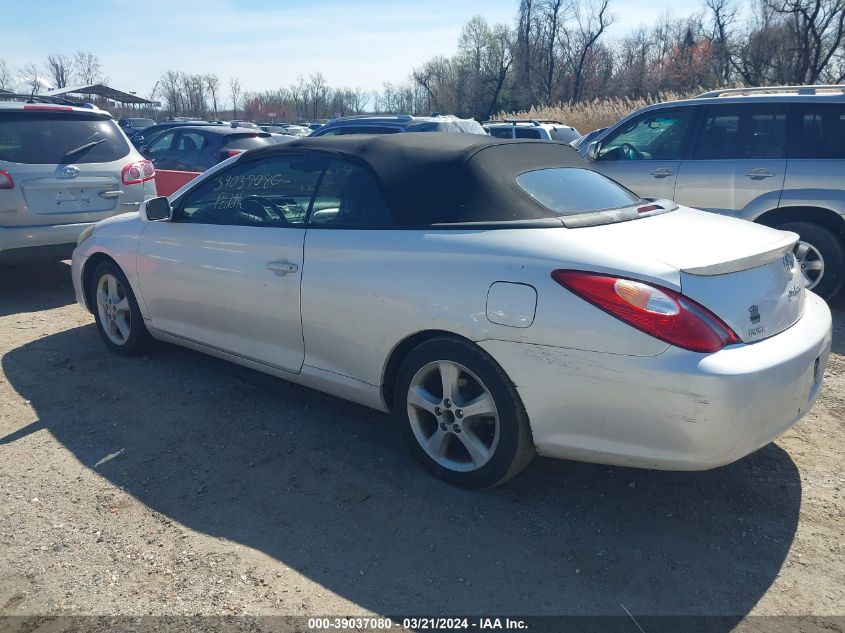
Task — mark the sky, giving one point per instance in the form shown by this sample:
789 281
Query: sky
267 44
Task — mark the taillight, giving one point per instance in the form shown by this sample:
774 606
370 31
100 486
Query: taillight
138 172
6 181
228 153
659 312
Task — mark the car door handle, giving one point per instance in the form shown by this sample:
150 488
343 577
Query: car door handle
759 174
282 268
662 172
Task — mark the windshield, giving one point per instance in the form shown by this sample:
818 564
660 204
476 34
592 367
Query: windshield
573 191
52 138
140 124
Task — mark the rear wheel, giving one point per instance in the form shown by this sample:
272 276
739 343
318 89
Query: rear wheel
820 255
461 415
116 311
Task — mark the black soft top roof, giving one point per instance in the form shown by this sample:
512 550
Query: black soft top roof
432 178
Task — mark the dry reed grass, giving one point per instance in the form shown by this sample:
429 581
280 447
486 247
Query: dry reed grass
586 116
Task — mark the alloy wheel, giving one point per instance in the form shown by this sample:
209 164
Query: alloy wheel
811 262
113 309
453 416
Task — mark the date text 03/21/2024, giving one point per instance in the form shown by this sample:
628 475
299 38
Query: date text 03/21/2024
417 624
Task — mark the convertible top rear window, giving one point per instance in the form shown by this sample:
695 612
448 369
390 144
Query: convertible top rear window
574 191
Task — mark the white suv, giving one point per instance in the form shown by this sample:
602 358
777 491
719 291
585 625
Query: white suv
62 168
543 129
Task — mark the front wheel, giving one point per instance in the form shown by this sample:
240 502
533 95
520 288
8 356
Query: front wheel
820 255
116 311
461 415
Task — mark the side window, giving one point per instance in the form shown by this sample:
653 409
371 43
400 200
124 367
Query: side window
655 136
369 129
349 197
162 143
818 131
731 132
269 192
527 132
501 132
190 142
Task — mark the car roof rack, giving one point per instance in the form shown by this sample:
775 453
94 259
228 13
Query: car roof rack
17 96
800 90
535 122
352 117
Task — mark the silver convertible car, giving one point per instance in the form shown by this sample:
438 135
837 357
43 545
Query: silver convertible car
498 296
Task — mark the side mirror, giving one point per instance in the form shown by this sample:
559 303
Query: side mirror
157 209
593 151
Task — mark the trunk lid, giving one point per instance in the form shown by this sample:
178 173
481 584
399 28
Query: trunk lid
56 194
743 272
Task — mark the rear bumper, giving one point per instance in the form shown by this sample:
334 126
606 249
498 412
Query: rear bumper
676 411
35 242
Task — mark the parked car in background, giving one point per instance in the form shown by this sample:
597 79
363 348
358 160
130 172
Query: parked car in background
133 125
199 147
299 131
367 124
585 139
314 126
62 168
543 129
514 300
282 138
277 129
142 139
775 156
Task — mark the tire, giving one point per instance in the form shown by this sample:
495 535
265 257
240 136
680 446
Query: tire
497 431
122 330
829 247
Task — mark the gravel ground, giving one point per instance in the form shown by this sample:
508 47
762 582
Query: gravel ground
180 484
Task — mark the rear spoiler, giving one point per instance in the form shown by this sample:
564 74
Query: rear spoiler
779 248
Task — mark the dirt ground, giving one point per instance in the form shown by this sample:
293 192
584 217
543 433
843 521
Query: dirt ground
181 484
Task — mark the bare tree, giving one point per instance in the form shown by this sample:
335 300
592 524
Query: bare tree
88 68
552 16
171 91
358 99
436 78
5 76
59 69
212 84
501 58
723 14
524 53
235 90
818 31
317 89
590 25
31 77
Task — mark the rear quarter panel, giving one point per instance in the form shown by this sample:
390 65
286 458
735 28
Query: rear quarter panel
816 183
364 291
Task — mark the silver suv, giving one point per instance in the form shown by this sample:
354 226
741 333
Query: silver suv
62 168
770 155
